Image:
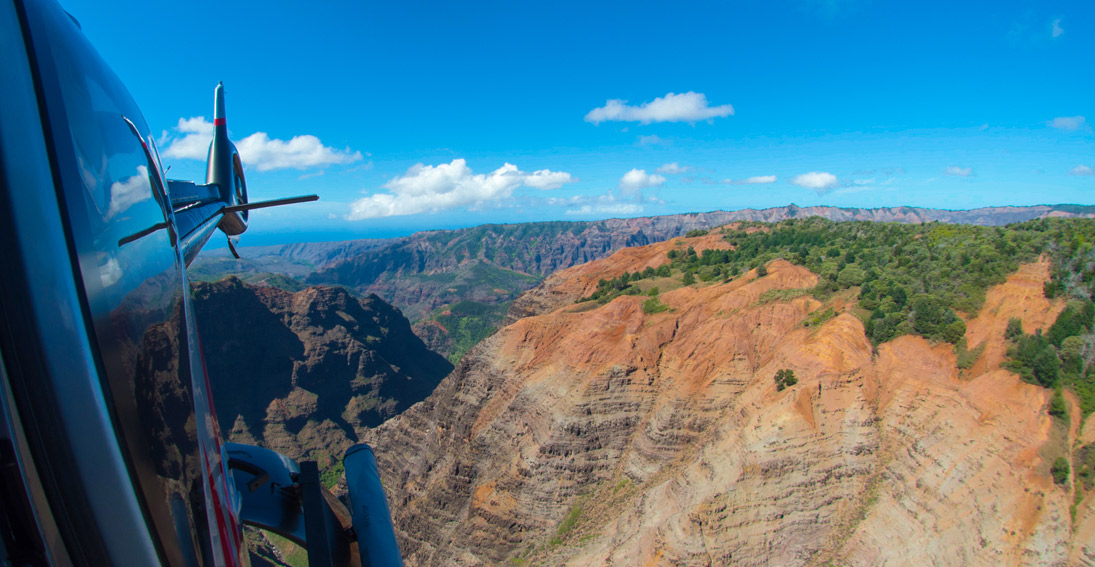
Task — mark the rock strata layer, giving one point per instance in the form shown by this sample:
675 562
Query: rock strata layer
585 434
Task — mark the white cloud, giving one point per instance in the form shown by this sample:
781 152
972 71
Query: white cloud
816 180
612 209
257 150
958 171
684 107
1068 123
869 184
433 188
110 272
638 179
853 189
674 169
652 140
1082 170
594 205
1056 30
755 180
128 192
194 143
761 179
544 179
300 152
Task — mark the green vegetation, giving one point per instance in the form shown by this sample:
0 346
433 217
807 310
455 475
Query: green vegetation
1057 406
654 305
570 521
1084 388
918 279
607 290
1084 466
819 317
469 322
330 476
912 279
1062 356
293 554
696 232
501 243
477 281
1060 470
280 281
489 275
965 357
1014 330
784 379
781 295
1035 359
478 295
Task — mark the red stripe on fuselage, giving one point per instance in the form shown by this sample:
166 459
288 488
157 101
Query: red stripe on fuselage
218 122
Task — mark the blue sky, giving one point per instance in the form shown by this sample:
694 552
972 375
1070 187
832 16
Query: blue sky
407 116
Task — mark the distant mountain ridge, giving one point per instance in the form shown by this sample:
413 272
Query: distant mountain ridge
428 272
324 255
542 248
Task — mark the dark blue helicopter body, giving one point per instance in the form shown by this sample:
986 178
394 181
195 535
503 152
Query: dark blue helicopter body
110 452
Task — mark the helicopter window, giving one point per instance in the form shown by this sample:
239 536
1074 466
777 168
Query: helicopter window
112 188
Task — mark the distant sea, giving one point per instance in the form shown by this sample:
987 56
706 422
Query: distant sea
257 237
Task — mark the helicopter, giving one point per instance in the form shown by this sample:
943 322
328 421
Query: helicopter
110 450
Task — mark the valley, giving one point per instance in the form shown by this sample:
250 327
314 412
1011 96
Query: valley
627 410
607 435
482 269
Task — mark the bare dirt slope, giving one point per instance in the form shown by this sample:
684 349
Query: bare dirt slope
601 435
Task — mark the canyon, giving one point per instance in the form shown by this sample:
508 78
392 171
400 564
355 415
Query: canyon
587 434
486 267
302 372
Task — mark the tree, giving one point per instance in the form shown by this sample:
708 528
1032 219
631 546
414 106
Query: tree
1014 330
785 378
1057 405
1060 470
688 279
1069 323
1046 367
954 332
762 271
851 275
1072 355
1049 289
929 315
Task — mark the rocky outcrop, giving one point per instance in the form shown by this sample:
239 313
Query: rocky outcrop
303 373
585 434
